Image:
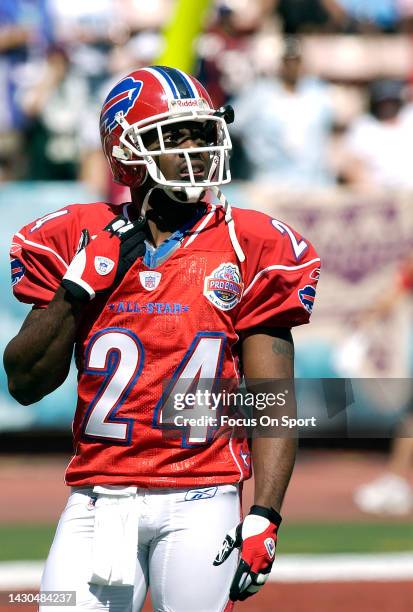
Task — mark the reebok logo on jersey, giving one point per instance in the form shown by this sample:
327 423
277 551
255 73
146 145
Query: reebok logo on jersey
103 265
150 279
270 546
224 287
200 494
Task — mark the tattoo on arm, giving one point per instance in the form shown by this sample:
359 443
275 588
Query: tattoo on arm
280 346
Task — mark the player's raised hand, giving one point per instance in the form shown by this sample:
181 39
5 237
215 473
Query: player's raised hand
256 537
104 261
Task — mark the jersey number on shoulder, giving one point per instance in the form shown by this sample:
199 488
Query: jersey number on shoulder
117 355
299 246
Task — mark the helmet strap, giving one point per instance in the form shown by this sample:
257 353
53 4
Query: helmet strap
185 195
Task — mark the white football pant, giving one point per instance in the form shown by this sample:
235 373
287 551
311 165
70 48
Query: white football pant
179 534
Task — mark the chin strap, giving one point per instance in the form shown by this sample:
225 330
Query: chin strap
183 195
230 223
145 203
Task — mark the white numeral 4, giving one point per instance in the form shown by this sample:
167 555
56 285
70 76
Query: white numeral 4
197 372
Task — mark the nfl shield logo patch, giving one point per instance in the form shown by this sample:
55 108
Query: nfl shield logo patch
150 279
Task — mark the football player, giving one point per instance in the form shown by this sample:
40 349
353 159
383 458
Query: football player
157 296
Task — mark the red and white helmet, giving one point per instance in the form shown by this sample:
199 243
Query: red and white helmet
153 98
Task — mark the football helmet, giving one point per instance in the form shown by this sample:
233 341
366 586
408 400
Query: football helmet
142 107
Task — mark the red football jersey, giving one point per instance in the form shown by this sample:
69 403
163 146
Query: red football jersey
176 316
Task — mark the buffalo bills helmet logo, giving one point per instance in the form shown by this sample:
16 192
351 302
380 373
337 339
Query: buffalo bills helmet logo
307 295
120 99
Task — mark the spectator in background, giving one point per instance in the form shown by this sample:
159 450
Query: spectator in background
54 106
284 125
372 15
392 491
379 144
88 29
228 43
405 10
25 32
300 16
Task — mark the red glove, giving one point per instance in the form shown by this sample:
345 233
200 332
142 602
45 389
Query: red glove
256 537
104 261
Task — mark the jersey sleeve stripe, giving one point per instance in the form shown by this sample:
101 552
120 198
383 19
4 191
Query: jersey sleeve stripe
279 267
43 248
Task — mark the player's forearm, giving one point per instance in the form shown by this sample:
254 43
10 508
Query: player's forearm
273 462
37 360
268 356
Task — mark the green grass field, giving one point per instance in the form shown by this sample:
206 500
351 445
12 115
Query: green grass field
31 542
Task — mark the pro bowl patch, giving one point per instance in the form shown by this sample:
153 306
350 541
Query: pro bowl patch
223 288
307 295
18 270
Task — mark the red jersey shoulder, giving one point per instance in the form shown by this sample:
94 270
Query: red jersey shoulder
42 250
60 223
269 241
280 272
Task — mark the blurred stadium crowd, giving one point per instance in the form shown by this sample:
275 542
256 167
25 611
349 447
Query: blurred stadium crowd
321 87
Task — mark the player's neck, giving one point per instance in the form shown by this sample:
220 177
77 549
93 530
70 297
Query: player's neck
164 215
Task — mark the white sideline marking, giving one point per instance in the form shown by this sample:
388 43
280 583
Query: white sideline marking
20 574
343 567
384 567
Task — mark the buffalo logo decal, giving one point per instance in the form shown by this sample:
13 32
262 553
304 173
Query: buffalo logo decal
18 270
121 99
307 295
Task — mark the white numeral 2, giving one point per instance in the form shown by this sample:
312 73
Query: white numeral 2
298 247
117 355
